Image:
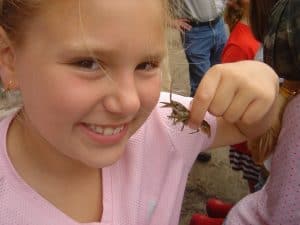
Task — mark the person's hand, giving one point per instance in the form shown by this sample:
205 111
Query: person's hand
241 92
181 24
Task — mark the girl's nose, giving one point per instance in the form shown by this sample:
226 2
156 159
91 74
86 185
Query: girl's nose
124 98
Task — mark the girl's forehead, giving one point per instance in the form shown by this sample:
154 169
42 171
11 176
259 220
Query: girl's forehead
101 14
104 8
103 21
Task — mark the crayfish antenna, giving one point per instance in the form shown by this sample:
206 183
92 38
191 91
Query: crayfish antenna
171 89
166 104
182 127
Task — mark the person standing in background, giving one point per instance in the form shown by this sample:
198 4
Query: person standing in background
241 44
203 37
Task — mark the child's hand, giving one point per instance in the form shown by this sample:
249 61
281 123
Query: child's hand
241 92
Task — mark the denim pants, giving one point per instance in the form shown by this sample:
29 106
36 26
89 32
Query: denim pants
203 47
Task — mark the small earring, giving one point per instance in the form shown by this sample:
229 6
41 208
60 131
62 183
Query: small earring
5 91
9 86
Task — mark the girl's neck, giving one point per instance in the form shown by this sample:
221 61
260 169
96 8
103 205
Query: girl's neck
245 21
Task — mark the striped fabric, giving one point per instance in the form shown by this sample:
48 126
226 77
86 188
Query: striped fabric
243 162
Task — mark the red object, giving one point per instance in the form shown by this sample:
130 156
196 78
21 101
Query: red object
241 44
242 148
198 219
216 208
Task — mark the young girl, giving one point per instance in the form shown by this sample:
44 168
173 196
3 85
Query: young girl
279 201
91 143
241 44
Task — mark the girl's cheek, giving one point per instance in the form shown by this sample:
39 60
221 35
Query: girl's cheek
151 92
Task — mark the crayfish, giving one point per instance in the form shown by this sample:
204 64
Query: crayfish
181 114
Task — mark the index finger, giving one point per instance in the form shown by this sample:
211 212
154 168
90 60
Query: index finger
203 97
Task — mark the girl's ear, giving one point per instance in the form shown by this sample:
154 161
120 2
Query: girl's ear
7 61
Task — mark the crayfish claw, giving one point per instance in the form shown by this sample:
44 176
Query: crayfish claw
205 127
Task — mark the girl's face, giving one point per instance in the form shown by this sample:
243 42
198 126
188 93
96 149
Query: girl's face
89 73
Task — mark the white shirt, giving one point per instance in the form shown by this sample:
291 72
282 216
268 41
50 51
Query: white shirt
202 10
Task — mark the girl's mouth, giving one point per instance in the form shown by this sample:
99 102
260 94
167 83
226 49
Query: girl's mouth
106 131
104 134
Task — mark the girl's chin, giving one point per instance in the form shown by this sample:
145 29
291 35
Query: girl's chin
104 161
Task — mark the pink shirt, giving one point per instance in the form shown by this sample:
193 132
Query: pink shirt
145 187
278 203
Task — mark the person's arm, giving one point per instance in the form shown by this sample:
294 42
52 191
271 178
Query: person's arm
282 190
241 95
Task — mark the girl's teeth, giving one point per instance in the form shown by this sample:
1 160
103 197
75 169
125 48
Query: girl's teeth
106 131
117 130
98 129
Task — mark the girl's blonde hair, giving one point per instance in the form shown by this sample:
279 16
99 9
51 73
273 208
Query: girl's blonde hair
15 14
262 147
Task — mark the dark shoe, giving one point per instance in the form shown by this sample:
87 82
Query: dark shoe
216 208
203 157
198 219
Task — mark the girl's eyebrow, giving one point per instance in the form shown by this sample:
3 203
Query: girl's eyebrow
154 53
155 57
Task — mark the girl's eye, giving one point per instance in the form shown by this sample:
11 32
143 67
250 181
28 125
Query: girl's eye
88 64
148 66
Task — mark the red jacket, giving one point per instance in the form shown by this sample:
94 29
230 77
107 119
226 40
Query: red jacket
241 44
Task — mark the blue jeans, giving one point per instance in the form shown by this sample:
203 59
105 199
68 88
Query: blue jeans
203 47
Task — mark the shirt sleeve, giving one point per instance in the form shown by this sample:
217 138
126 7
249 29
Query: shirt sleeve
283 198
